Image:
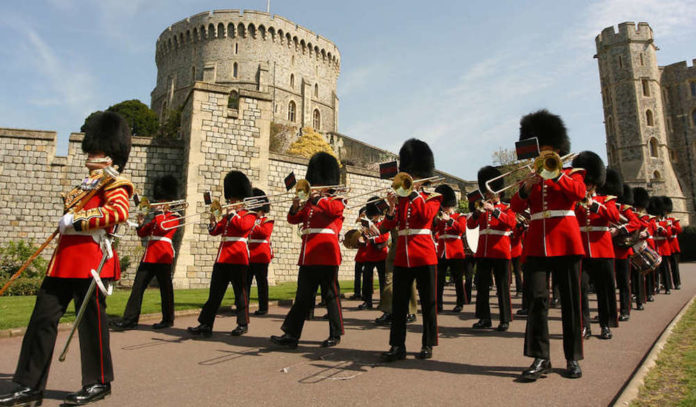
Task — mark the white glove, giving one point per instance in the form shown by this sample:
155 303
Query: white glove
66 223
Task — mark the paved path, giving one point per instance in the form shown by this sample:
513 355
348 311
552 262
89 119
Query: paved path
170 369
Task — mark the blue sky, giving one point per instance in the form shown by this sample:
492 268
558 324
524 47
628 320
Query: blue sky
458 74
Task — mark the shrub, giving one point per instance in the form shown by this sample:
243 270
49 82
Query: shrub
22 286
15 253
687 243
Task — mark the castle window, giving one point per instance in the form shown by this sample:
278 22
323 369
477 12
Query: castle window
292 81
656 175
221 31
672 155
291 111
693 117
665 97
649 118
653 147
236 48
316 119
316 90
292 60
646 87
693 89
641 59
620 62
233 100
235 70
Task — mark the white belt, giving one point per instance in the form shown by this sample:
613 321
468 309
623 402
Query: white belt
161 238
594 228
258 241
234 239
495 232
449 237
410 232
93 232
552 214
318 231
659 238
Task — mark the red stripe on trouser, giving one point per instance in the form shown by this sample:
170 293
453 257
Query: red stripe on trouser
338 302
434 294
509 283
101 345
582 323
246 305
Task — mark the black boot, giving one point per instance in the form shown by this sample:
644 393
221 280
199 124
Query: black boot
425 353
22 396
606 333
384 319
586 332
365 305
573 370
394 353
123 325
285 340
410 318
536 370
331 342
203 330
482 323
162 325
240 330
88 394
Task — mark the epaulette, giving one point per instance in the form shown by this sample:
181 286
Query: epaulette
268 221
575 170
432 196
121 182
609 198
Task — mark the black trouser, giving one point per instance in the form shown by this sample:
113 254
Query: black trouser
638 284
224 274
40 338
260 271
357 285
501 270
309 279
469 264
601 271
456 267
525 288
566 271
650 282
517 271
368 279
425 277
623 281
674 263
665 271
145 273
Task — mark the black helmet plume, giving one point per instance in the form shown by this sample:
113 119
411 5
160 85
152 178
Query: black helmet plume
548 128
655 207
596 172
416 159
626 196
486 173
259 193
108 133
667 204
237 185
323 170
641 198
449 198
613 184
166 188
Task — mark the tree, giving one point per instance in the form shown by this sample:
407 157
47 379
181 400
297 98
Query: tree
172 124
506 161
142 120
309 143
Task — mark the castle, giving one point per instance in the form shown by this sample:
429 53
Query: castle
232 75
649 115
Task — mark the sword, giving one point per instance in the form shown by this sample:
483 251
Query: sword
107 253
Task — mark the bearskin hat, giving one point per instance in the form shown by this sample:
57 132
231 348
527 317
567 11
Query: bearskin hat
372 209
258 192
655 206
641 198
667 204
449 198
108 133
626 196
548 128
166 188
596 172
323 170
416 159
486 173
237 185
613 184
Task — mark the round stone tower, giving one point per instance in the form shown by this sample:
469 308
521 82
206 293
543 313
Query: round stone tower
633 110
255 51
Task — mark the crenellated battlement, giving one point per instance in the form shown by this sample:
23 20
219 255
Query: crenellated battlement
248 24
627 31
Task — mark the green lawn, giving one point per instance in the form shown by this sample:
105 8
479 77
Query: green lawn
672 382
16 311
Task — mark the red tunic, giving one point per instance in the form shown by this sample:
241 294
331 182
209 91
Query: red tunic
553 230
414 218
376 248
321 224
360 254
78 251
260 249
516 239
649 224
676 229
495 229
594 227
449 237
662 234
235 229
159 246
633 225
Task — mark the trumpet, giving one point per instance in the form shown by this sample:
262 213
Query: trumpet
215 209
145 206
547 165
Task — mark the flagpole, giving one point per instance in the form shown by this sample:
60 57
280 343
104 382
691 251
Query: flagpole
268 6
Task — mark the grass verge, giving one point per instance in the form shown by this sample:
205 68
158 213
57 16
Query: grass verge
672 382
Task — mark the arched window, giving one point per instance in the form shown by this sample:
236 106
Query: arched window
291 111
316 119
233 100
235 70
292 81
649 118
653 147
693 117
646 87
316 90
236 48
656 175
692 85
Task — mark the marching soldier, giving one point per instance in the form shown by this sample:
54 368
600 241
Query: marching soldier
516 251
663 232
673 242
450 248
416 256
495 221
321 217
232 261
374 257
644 284
595 214
359 264
107 143
157 259
552 243
260 252
622 233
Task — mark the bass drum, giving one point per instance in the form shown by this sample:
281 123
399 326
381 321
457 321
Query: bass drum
472 239
645 259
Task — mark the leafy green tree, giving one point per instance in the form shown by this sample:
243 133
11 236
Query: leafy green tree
143 120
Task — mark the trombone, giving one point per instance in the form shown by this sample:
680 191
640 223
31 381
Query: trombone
216 209
402 184
547 165
145 206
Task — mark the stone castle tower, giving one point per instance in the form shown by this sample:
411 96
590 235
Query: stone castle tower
253 51
638 116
